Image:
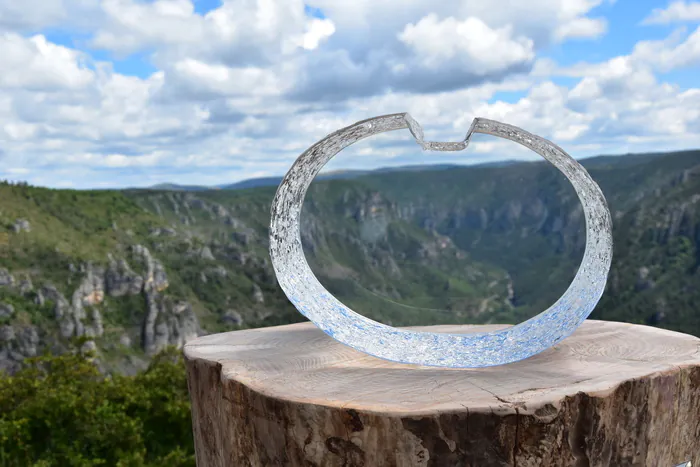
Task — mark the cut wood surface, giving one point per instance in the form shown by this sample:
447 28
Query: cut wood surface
610 394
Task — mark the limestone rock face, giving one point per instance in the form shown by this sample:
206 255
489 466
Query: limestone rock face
22 225
167 322
25 285
232 317
205 253
6 310
91 290
78 317
644 281
244 236
121 280
69 324
6 279
125 340
201 252
163 232
258 294
156 278
17 343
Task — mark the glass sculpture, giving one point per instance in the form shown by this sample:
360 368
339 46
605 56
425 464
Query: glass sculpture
426 348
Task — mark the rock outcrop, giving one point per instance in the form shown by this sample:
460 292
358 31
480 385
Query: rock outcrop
6 279
167 322
25 286
155 277
121 280
644 282
232 317
16 344
244 236
22 225
6 311
258 296
163 232
203 252
81 317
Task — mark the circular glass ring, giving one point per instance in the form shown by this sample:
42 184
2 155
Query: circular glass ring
426 348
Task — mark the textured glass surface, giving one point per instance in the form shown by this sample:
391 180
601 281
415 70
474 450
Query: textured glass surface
424 348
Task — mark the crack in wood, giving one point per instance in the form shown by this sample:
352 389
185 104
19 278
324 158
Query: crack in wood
577 434
517 437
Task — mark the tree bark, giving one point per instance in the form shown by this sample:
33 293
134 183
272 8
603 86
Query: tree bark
612 394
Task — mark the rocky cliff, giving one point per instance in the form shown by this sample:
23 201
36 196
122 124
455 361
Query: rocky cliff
96 295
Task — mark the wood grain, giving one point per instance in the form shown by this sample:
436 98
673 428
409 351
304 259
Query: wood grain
610 394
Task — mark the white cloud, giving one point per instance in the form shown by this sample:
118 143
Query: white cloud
30 16
483 49
678 50
19 131
37 64
121 160
677 11
317 30
221 80
671 53
133 25
570 132
237 32
581 28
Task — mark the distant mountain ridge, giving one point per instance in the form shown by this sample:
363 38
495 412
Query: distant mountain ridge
332 175
349 174
175 187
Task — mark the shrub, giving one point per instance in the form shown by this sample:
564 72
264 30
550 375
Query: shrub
61 411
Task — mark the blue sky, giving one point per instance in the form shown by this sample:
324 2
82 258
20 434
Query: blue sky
115 93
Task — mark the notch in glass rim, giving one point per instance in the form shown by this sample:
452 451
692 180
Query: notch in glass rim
508 345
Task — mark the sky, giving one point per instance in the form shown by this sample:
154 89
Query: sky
126 93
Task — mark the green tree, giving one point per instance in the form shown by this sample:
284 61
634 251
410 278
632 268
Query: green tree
61 411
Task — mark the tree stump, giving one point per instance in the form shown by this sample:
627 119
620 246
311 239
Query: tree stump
612 394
